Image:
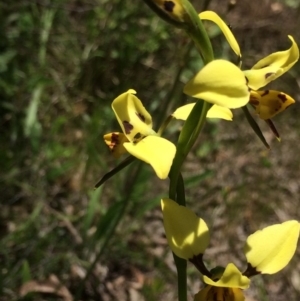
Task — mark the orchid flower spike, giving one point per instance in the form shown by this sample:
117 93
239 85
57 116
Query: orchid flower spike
267 251
138 137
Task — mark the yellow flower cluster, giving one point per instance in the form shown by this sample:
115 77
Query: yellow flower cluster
220 83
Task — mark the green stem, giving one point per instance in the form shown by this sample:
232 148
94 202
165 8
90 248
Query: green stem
193 125
200 125
186 140
198 33
180 191
181 265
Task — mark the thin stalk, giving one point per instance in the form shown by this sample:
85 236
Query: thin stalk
180 191
181 264
186 140
198 33
182 147
200 125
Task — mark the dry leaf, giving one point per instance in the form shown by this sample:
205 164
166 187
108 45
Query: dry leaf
50 286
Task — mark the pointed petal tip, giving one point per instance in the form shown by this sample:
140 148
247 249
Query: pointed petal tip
131 91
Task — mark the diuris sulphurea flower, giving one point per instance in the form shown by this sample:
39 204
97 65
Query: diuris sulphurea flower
220 83
267 251
138 137
267 103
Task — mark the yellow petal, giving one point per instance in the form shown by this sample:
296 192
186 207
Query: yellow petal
269 103
231 277
272 66
212 16
214 112
156 151
186 233
212 293
220 82
260 77
132 116
115 143
219 112
183 112
270 249
282 59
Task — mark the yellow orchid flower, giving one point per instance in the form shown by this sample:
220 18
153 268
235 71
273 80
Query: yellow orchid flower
138 137
267 251
220 83
267 103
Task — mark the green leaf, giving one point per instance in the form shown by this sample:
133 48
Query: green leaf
255 127
118 168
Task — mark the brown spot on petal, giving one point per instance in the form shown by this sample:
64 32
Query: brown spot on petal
137 137
139 115
114 139
254 101
127 126
282 97
268 74
169 6
265 93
